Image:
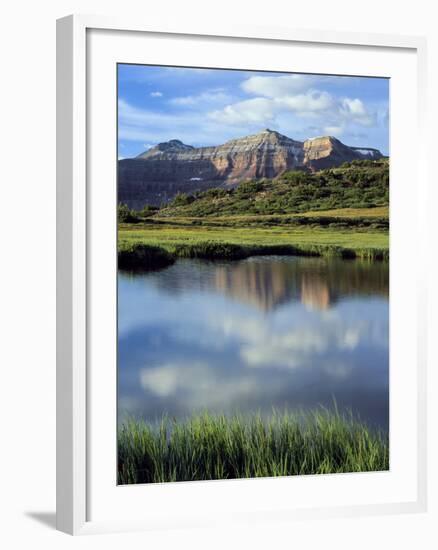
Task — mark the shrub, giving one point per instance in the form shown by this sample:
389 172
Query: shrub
297 177
182 199
148 210
249 188
126 215
360 184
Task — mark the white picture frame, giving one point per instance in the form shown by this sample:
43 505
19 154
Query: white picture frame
76 395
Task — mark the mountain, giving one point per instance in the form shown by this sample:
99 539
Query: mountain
169 168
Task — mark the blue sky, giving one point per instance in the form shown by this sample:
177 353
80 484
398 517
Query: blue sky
211 106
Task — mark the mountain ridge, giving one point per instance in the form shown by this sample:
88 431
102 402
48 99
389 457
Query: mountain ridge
158 174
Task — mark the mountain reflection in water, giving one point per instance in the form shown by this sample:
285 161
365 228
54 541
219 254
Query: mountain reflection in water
266 282
264 332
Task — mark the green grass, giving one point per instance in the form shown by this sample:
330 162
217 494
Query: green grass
207 447
313 220
378 211
168 235
239 242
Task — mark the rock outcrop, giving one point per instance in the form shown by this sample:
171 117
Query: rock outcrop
157 175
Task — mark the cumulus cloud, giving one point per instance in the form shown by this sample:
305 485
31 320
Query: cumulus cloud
312 101
277 86
265 110
290 96
354 110
156 94
258 110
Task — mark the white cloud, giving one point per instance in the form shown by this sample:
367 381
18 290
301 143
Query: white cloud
197 385
209 96
262 345
354 110
350 339
283 98
353 106
277 86
167 379
162 381
298 347
263 110
156 94
258 110
310 102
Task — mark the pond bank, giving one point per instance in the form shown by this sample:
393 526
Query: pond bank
149 257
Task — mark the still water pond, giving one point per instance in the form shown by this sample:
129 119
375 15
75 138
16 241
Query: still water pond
261 333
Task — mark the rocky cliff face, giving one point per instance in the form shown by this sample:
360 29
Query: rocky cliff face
327 151
156 176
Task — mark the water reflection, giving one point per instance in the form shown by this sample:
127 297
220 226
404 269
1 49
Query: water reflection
269 281
251 335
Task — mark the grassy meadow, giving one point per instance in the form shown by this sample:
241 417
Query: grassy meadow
170 234
206 447
338 212
234 239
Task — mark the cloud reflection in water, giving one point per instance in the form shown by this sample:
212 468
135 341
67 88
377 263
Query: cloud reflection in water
251 335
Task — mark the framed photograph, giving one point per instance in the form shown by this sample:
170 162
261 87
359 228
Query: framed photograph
241 303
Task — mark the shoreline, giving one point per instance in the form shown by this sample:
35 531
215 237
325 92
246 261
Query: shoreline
147 257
